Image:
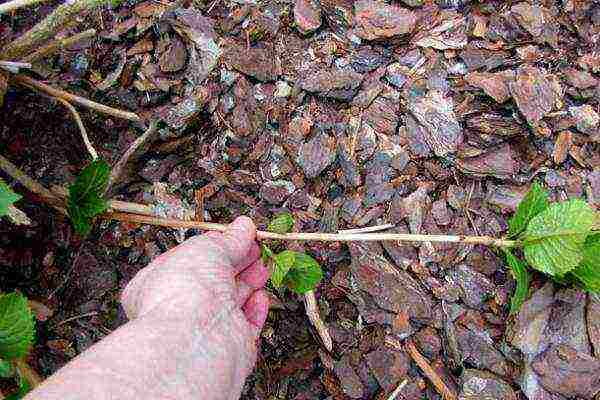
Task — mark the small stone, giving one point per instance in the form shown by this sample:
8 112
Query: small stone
316 154
586 118
564 370
377 20
337 84
307 16
479 385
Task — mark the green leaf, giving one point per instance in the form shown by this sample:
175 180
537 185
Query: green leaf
6 369
534 202
282 223
7 198
305 275
86 195
521 275
17 327
282 263
588 272
553 240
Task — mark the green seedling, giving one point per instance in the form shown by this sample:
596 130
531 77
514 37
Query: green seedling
17 332
556 239
297 271
86 196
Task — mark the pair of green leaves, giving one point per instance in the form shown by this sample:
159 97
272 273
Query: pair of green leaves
86 196
7 198
297 271
557 239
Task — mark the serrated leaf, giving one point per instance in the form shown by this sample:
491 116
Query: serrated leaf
521 275
534 202
305 275
86 195
6 369
282 223
17 327
553 241
588 272
282 264
7 198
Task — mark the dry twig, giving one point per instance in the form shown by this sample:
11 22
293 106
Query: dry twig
312 311
84 135
61 94
429 372
57 45
323 237
142 141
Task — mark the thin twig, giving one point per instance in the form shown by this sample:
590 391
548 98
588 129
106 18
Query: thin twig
31 184
74 318
84 135
63 16
117 171
323 237
429 372
58 45
398 389
15 4
376 228
42 87
312 311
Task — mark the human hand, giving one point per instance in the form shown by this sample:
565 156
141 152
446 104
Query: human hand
211 286
195 316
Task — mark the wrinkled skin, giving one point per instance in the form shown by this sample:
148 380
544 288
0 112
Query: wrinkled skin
195 315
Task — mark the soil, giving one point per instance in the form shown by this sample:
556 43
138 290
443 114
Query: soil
435 117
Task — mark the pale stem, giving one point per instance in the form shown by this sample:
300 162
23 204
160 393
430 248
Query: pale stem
84 135
71 98
57 45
